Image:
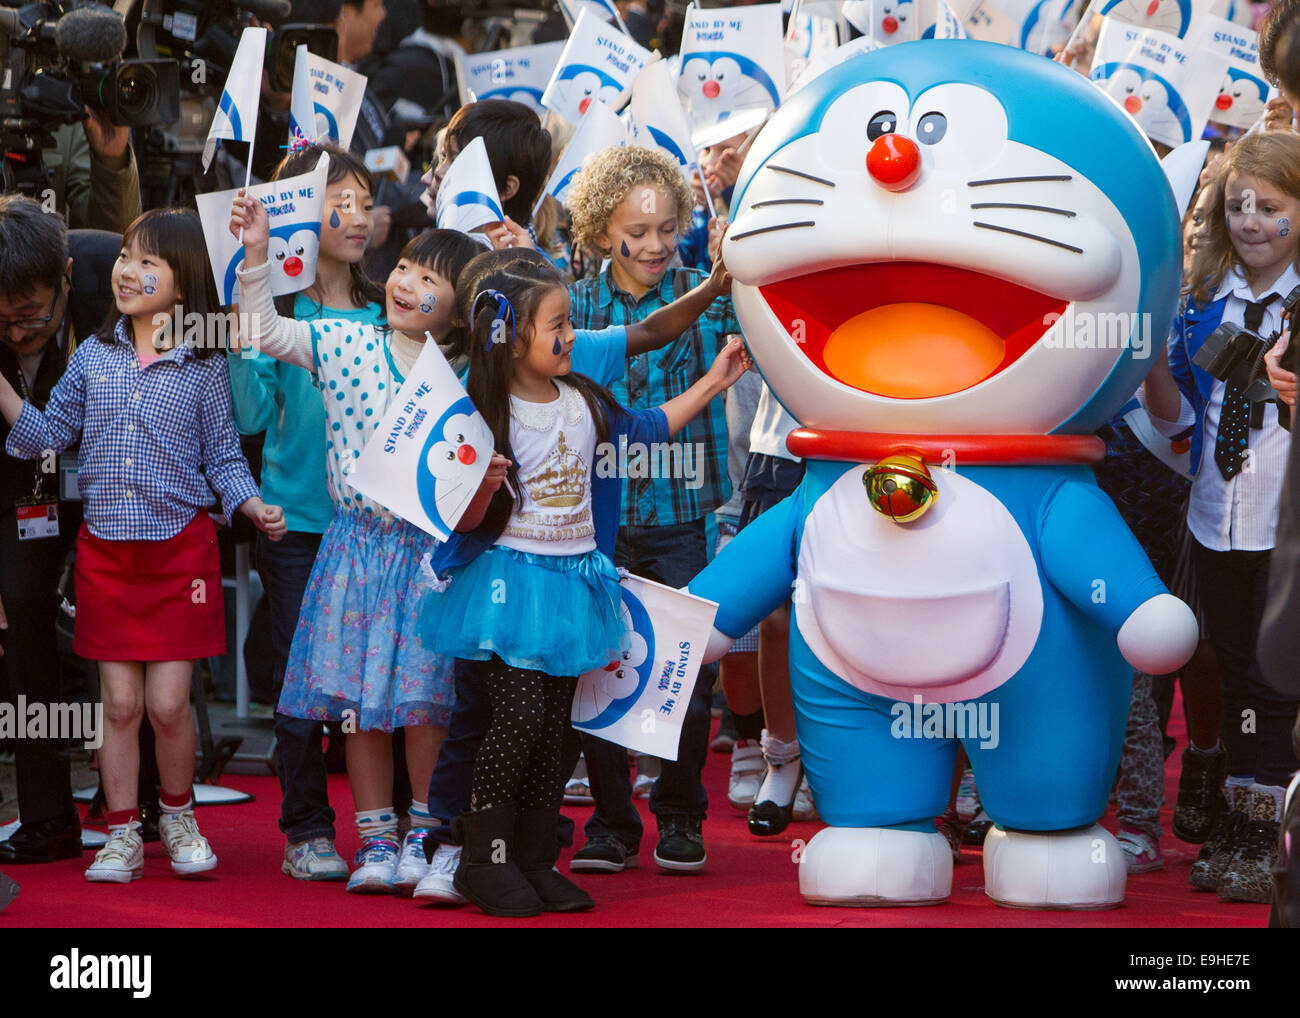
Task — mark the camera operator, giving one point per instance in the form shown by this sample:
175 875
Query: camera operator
55 289
94 175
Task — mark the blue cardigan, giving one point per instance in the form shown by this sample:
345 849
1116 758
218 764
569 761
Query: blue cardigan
644 427
1192 328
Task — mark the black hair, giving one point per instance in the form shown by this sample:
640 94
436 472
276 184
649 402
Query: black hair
517 146
364 290
524 277
35 246
175 236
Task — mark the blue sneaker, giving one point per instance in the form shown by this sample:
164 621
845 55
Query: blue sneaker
376 870
313 860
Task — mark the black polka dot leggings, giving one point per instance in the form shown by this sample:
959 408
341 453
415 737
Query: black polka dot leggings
519 758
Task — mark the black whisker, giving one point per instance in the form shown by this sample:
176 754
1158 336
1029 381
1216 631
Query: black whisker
1031 236
1032 208
769 229
787 201
1016 180
800 173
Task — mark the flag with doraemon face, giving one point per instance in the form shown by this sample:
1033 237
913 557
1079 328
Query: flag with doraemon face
655 118
1244 92
837 56
597 65
732 63
605 10
520 74
325 102
813 31
294 207
1167 86
431 451
599 129
1174 17
1039 26
467 197
640 700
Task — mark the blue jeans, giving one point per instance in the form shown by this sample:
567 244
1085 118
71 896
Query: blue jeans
672 555
305 813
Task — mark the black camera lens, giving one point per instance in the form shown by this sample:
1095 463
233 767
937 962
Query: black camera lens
137 91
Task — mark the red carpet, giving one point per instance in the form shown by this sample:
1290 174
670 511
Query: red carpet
747 882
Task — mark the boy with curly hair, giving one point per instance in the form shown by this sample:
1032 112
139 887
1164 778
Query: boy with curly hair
631 204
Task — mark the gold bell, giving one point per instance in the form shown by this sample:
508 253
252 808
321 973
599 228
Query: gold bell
900 487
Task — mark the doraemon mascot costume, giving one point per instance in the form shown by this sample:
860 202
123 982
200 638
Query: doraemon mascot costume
954 261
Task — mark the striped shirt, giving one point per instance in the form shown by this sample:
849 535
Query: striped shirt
156 442
688 480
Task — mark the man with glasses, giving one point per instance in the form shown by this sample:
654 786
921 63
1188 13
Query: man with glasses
55 289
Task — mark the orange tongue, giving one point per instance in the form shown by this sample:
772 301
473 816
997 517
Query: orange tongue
912 351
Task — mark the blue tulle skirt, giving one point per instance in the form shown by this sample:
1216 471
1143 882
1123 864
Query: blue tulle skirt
559 614
357 653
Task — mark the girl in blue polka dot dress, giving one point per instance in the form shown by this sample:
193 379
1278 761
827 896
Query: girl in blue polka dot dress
357 656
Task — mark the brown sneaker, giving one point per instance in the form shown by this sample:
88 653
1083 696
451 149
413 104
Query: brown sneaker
1249 873
1217 850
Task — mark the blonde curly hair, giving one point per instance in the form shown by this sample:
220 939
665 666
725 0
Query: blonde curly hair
607 177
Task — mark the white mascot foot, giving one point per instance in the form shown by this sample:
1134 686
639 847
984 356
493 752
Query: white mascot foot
866 866
1080 870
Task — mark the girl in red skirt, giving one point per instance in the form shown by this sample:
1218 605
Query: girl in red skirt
151 408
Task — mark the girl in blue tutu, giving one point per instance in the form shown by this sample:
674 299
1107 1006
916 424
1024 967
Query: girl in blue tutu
356 655
529 593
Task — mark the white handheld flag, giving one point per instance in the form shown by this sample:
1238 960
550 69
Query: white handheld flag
602 9
236 116
732 60
812 32
1167 86
430 452
1244 93
837 56
467 197
520 74
294 207
656 118
597 65
326 101
1176 17
640 700
598 130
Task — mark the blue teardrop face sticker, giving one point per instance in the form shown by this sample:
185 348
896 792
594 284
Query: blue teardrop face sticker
427 301
556 348
335 221
623 250
149 283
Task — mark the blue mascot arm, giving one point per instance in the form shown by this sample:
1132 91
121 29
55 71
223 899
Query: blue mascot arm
754 573
1090 555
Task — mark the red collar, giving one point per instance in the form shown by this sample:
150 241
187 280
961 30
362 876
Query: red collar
948 450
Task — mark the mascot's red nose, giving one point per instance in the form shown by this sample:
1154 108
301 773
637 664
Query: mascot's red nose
890 25
1133 104
894 162
292 266
710 89
466 454
1152 7
582 106
1224 101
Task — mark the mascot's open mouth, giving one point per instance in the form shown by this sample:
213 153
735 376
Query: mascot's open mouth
878 327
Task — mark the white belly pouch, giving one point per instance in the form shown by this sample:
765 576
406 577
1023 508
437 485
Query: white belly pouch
947 607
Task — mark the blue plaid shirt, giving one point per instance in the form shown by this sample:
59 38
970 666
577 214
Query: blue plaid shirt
653 379
155 443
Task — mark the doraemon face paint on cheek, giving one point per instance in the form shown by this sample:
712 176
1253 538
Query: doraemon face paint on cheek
427 301
1283 227
149 283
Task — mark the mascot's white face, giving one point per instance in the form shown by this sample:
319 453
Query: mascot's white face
944 289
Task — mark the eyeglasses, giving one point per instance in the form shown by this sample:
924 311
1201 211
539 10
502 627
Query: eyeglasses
29 324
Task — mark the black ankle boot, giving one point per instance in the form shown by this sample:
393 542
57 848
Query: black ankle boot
488 874
1200 795
537 849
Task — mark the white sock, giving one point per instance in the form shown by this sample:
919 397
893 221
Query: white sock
783 771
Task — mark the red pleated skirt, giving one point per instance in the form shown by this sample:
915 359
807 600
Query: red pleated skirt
150 600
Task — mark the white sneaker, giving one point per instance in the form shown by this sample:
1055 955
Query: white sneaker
437 888
121 860
804 807
747 767
189 850
313 860
376 868
411 864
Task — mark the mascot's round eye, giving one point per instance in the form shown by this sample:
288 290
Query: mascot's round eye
451 455
884 122
279 256
721 75
618 674
931 128
703 75
460 439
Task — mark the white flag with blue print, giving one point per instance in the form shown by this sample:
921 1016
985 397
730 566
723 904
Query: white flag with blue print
1180 18
656 119
640 699
598 130
519 74
430 452
1244 92
294 206
605 10
467 197
326 101
732 61
597 65
813 31
236 116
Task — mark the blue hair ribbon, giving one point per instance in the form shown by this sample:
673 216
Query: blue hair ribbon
504 312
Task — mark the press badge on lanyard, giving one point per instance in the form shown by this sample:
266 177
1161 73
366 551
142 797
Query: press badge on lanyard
38 513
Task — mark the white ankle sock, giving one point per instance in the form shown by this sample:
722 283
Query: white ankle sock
783 771
377 823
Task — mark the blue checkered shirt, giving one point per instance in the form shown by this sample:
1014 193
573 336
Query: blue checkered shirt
155 443
654 378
